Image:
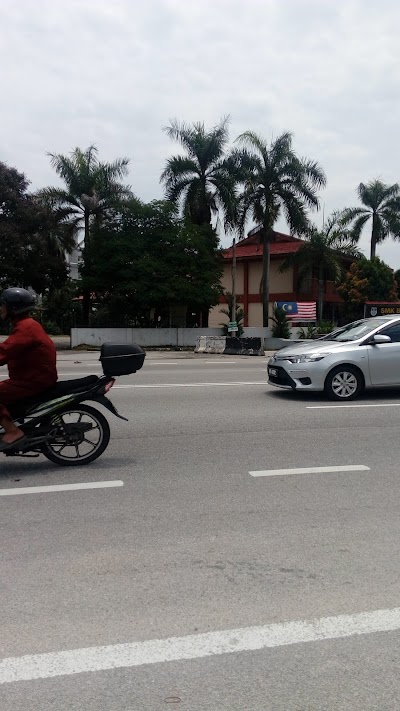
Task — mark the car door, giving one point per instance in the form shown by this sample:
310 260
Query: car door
384 358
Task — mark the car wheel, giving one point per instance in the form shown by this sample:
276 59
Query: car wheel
344 383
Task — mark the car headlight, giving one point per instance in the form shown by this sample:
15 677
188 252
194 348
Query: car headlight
307 358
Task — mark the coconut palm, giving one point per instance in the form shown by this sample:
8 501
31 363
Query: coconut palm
275 181
201 182
322 252
91 187
381 207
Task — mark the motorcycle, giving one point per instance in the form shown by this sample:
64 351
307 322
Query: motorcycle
61 426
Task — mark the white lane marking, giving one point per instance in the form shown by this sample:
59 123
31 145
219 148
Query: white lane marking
188 385
310 470
17 491
209 644
78 362
162 363
334 407
219 362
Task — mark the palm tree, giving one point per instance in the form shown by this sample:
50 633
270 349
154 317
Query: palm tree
275 181
321 252
58 226
201 181
91 187
381 205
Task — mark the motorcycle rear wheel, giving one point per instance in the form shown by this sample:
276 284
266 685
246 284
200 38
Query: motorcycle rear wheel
74 446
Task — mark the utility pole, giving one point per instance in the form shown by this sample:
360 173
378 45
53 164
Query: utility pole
234 284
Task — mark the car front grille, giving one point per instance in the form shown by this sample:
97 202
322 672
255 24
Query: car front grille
281 377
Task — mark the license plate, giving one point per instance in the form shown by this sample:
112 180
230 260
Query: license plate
273 371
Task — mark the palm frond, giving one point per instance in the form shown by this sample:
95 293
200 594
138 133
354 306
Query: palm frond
313 173
226 198
254 142
116 170
58 197
178 167
390 192
349 214
65 168
372 194
295 211
281 148
358 226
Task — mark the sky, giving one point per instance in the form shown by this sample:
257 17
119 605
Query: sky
114 72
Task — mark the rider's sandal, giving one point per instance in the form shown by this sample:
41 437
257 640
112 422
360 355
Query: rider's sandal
10 445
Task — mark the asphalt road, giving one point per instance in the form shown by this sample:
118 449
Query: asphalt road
134 582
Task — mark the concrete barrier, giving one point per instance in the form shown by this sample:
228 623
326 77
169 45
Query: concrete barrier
245 346
146 337
230 346
210 344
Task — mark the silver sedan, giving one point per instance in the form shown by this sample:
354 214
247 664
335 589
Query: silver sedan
363 354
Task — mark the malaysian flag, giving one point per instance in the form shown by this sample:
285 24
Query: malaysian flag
299 311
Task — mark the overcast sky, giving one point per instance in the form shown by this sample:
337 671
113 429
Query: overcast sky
113 72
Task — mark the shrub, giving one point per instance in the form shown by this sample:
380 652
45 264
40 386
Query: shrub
280 329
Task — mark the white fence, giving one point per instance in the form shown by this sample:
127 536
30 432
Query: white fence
154 337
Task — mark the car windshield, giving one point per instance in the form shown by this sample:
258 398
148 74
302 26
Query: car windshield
354 331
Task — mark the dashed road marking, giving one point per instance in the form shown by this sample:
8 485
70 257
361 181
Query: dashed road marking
18 491
338 407
310 470
209 644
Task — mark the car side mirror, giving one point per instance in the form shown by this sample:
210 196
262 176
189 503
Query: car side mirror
380 338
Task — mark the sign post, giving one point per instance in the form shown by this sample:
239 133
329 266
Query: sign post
232 327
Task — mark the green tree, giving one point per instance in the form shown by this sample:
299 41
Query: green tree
91 188
61 308
201 181
148 260
380 207
26 258
321 253
275 181
397 277
368 280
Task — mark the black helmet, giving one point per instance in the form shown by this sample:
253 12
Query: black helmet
18 301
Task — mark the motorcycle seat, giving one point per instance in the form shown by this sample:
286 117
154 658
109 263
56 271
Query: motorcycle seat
63 387
67 387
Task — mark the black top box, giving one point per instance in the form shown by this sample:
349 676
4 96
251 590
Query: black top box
121 359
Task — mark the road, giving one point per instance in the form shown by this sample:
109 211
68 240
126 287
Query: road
196 584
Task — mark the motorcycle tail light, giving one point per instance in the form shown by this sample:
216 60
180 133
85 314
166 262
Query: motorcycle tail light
109 385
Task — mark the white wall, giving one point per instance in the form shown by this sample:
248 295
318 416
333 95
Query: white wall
155 337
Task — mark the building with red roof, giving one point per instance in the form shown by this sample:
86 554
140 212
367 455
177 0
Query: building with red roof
284 286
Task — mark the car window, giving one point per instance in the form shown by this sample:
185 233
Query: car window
393 332
354 331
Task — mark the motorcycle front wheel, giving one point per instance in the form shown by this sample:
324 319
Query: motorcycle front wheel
82 435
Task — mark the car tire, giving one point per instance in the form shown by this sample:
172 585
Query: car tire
344 383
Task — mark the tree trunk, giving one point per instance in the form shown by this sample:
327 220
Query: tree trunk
320 294
374 235
265 276
86 265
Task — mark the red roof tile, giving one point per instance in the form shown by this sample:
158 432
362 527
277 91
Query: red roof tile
245 251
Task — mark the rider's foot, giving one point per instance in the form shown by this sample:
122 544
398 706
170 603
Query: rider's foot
11 437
